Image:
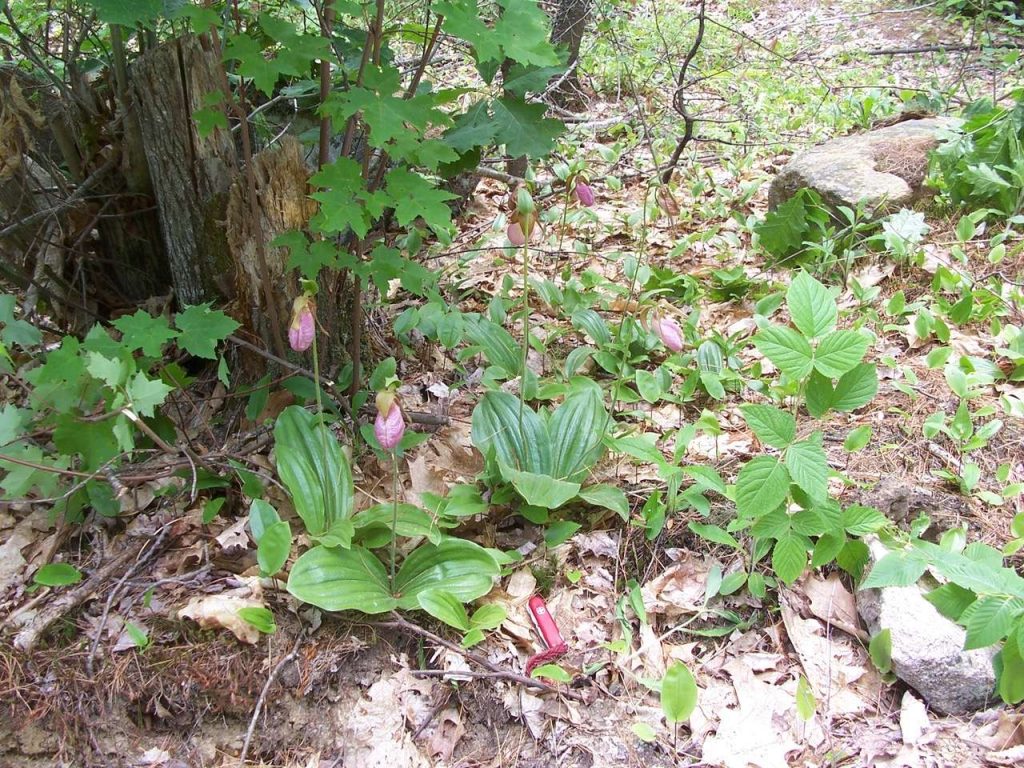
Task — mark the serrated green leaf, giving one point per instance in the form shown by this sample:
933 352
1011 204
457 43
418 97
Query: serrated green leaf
989 619
783 230
523 129
145 332
951 600
860 521
1010 662
146 394
761 486
811 306
808 466
896 569
787 349
789 557
127 13
202 329
413 196
839 352
772 426
523 31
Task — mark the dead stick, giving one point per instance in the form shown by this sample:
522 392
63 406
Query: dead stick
263 698
399 622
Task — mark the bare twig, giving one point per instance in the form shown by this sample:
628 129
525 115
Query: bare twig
399 622
679 98
262 700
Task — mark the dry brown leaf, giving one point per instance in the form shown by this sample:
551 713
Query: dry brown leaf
915 727
679 590
833 603
759 731
221 611
831 663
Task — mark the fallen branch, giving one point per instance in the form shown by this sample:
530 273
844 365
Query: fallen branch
493 670
937 48
262 700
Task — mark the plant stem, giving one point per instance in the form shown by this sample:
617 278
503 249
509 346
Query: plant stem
526 330
565 213
394 514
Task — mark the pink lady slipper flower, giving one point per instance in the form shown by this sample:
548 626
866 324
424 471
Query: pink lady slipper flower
303 325
389 426
516 232
584 193
668 330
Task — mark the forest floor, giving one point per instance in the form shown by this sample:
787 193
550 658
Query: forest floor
345 691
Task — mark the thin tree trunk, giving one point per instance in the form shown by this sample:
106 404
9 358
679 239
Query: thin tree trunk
568 28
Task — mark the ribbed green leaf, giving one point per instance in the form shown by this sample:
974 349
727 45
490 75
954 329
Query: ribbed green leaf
315 471
577 430
496 343
811 306
787 349
761 486
540 490
808 466
839 352
444 606
678 693
496 431
462 568
772 426
411 521
607 496
341 580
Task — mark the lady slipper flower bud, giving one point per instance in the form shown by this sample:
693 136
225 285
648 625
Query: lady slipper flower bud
584 193
303 324
517 233
669 332
389 426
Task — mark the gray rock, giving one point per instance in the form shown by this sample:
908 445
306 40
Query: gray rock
927 648
884 168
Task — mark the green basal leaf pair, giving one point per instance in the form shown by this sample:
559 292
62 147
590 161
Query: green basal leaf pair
546 456
341 572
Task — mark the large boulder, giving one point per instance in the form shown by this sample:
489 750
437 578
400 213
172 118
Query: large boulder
927 648
883 168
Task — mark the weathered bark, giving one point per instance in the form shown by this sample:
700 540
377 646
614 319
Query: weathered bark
284 204
570 23
191 175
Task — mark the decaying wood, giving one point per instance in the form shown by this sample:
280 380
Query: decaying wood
191 174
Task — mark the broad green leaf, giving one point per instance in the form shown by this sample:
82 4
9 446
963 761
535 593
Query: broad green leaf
678 693
411 521
12 423
274 547
808 466
94 441
783 230
761 486
951 600
575 431
1011 669
856 387
827 548
552 672
463 19
839 352
789 557
896 569
14 330
496 431
860 521
202 329
607 496
489 616
127 13
559 532
145 332
858 438
497 344
522 28
811 306
414 196
880 650
252 62
444 606
522 127
587 320
714 533
649 386
989 619
805 701
644 732
460 567
772 426
146 394
341 580
316 473
57 575
259 617
787 349
540 490
261 516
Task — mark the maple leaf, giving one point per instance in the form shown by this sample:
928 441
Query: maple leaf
413 196
145 332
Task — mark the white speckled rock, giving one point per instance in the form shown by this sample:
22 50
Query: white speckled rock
927 648
881 168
